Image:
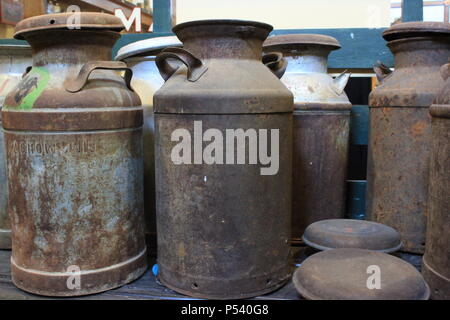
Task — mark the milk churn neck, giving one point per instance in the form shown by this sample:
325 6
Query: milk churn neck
215 39
418 43
306 53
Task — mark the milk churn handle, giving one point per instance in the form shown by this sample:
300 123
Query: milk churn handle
382 71
275 62
76 84
445 71
195 66
27 71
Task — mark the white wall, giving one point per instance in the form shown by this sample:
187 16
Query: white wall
291 14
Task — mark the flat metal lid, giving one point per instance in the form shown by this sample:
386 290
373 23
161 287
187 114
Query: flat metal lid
417 29
349 233
88 21
229 22
353 274
301 39
148 47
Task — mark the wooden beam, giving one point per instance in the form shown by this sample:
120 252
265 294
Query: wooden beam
412 10
162 15
360 48
33 8
109 6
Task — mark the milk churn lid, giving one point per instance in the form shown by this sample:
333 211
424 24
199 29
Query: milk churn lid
349 233
417 29
358 274
148 47
299 39
88 21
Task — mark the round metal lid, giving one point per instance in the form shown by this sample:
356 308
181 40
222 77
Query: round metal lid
230 22
417 29
353 274
88 20
301 39
349 233
148 47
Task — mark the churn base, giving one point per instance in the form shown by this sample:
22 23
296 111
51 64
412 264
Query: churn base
439 285
220 286
5 239
91 281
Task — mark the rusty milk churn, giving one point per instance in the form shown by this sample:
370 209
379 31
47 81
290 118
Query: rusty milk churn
223 150
140 58
436 261
400 129
73 132
321 128
14 59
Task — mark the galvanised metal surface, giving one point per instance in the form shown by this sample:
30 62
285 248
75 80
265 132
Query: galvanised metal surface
436 261
140 58
14 59
351 274
73 133
321 128
400 129
223 229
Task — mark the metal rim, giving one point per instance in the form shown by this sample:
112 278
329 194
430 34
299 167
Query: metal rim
147 47
302 40
59 21
235 22
323 248
416 29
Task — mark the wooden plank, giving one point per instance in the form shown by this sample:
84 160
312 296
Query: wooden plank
361 47
109 6
34 8
13 41
412 10
162 15
359 125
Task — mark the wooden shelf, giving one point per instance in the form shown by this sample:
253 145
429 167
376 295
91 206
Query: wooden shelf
109 6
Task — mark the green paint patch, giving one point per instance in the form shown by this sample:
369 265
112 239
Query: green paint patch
29 89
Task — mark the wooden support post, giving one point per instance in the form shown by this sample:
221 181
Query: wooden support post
412 10
162 15
33 8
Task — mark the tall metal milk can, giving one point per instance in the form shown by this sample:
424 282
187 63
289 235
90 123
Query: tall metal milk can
223 151
140 58
400 129
321 128
436 261
73 131
14 59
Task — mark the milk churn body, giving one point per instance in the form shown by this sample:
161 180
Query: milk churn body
436 261
223 229
140 58
400 129
321 128
14 59
74 155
